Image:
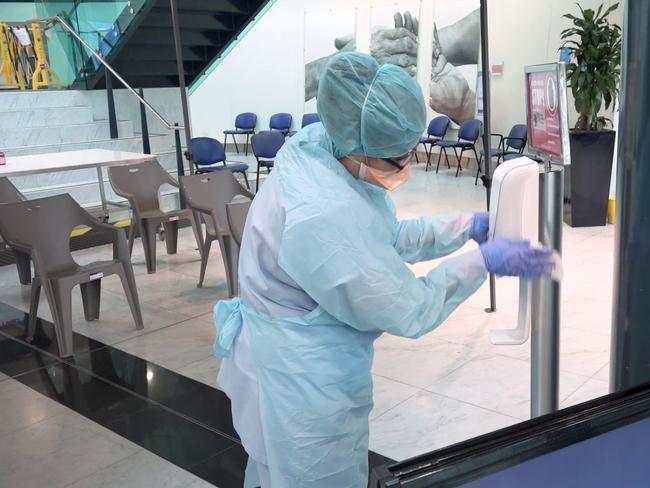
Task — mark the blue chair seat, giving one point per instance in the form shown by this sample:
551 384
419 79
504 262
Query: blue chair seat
516 155
235 168
428 140
494 152
238 131
453 144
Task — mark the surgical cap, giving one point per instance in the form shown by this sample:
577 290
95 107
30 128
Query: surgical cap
370 109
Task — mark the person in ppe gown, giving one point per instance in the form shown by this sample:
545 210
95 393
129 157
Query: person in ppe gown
322 274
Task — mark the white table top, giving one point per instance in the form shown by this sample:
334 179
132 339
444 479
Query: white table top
69 160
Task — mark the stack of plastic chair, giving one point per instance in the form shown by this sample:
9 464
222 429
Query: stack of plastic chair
208 155
140 185
44 226
207 195
266 145
10 194
244 125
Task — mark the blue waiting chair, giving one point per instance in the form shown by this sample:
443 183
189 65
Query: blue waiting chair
207 153
435 132
468 134
266 145
244 125
307 119
281 122
513 144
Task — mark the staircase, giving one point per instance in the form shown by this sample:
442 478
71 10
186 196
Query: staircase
141 45
53 121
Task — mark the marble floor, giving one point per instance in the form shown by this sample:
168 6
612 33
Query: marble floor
450 385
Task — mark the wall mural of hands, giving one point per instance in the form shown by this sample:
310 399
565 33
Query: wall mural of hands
455 46
397 45
449 91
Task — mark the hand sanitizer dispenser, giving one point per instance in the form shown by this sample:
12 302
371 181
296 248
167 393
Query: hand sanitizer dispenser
514 213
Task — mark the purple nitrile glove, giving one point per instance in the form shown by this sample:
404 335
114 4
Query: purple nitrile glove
480 227
515 257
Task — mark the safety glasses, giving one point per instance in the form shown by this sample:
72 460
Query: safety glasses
400 161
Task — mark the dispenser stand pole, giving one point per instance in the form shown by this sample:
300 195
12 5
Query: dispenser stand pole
545 306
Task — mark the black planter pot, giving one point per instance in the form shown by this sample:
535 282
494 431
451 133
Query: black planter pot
586 181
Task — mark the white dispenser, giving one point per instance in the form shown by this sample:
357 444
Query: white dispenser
514 213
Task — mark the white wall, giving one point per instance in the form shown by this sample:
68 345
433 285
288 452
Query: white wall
264 72
523 33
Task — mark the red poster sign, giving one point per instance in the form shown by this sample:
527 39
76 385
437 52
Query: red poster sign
544 113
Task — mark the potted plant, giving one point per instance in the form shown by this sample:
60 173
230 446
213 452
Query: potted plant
593 74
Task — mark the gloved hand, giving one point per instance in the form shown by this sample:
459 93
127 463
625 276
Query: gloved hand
480 227
515 257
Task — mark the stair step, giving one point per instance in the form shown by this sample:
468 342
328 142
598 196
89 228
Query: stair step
45 117
161 36
19 100
161 53
19 137
159 143
188 20
146 67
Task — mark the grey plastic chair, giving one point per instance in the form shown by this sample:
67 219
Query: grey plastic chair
10 194
208 195
237 213
44 225
140 184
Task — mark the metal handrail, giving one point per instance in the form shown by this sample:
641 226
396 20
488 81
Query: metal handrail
100 59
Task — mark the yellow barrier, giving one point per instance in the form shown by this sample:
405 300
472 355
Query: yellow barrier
611 210
25 65
10 70
43 75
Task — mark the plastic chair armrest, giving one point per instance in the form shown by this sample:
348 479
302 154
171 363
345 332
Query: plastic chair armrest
501 139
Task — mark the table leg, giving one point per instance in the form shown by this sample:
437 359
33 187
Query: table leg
102 192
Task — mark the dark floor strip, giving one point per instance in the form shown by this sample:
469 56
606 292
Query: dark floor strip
179 419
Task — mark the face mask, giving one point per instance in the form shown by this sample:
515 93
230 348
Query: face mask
383 179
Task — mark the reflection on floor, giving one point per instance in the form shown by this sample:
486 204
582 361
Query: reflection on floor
445 387
160 415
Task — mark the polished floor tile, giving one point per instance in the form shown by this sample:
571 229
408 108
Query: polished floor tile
22 406
174 347
17 357
204 370
428 421
170 436
116 323
387 394
139 470
416 364
185 396
499 384
59 451
225 468
45 337
591 389
77 389
603 373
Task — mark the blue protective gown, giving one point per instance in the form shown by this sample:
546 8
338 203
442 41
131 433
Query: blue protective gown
322 275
